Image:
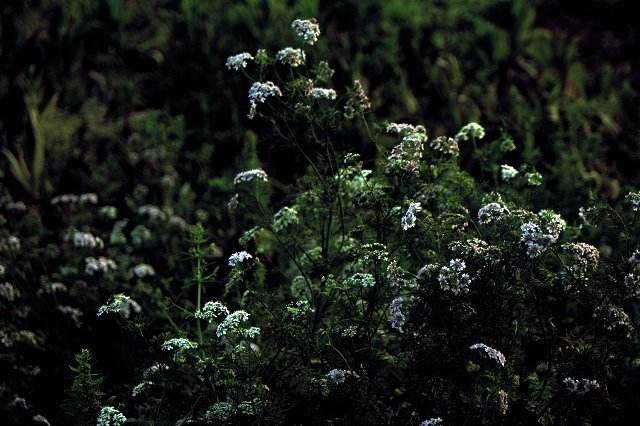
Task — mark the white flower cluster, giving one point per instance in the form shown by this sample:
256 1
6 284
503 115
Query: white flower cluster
250 175
120 304
507 172
109 416
405 157
434 421
219 413
239 257
445 145
307 30
212 310
10 244
634 199
409 218
580 386
154 213
585 256
236 62
285 217
143 270
537 238
339 376
493 354
471 130
454 278
179 346
233 323
320 93
491 213
291 56
360 279
89 198
258 94
87 240
101 264
396 317
397 277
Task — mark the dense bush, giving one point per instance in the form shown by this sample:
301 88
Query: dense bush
355 270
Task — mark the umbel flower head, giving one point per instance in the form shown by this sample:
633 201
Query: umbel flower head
236 62
396 317
109 416
307 30
291 56
250 175
409 218
239 257
493 354
258 94
120 304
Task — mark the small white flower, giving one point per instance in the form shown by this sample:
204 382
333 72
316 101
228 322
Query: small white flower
471 130
143 270
250 175
109 416
258 94
320 93
307 30
339 376
434 421
396 317
409 219
87 240
291 56
239 257
493 354
101 264
507 172
236 62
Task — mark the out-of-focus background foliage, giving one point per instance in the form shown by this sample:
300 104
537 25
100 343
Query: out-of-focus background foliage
132 98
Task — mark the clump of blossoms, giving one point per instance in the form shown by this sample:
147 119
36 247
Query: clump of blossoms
585 258
109 416
454 278
291 56
239 257
491 213
250 175
307 30
236 62
471 130
211 311
339 376
259 93
100 264
409 218
363 280
233 322
179 346
634 199
143 270
434 421
445 145
492 353
320 93
507 172
580 386
537 238
120 304
87 240
614 319
396 317
405 157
